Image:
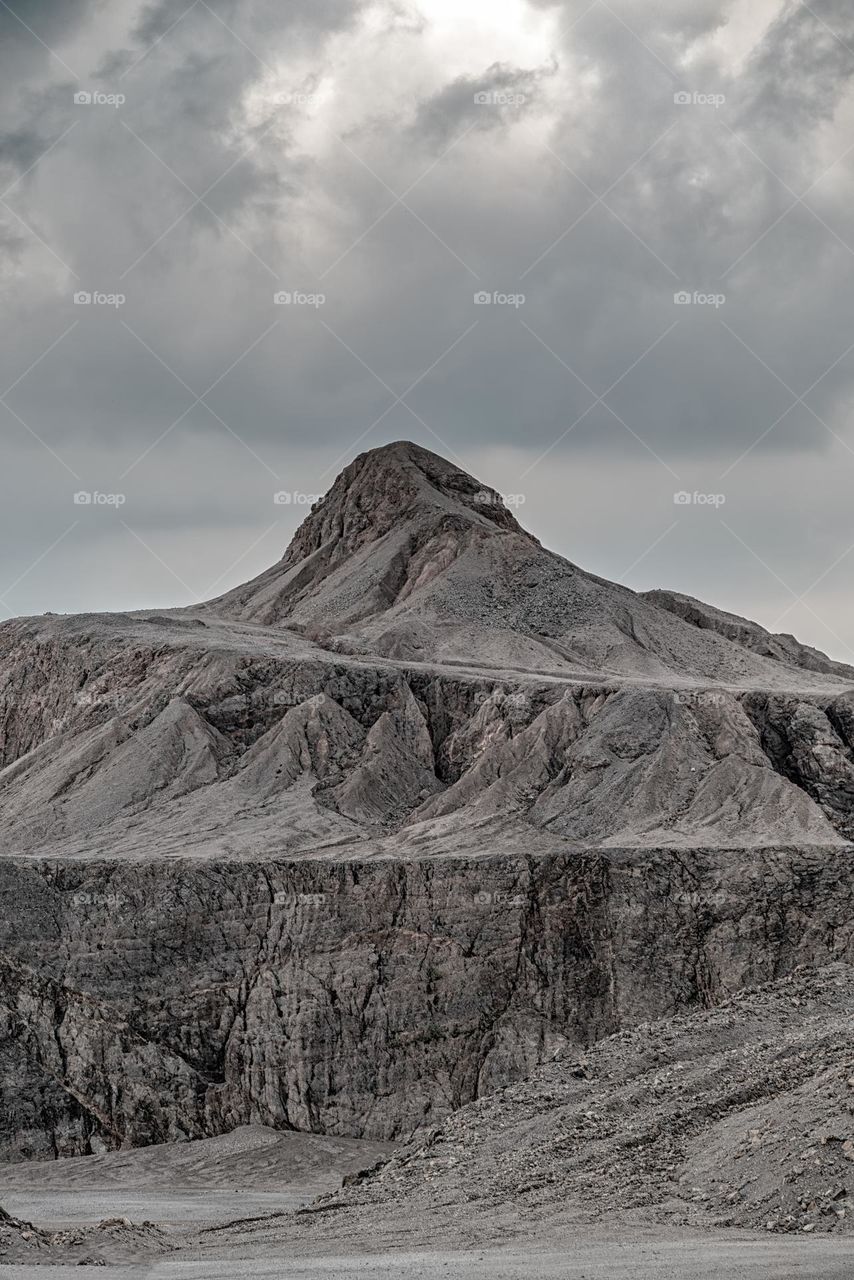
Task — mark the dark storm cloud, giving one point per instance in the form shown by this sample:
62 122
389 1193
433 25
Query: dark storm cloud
156 19
442 116
678 216
21 147
30 32
803 66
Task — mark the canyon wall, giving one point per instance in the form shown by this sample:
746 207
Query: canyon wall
145 1001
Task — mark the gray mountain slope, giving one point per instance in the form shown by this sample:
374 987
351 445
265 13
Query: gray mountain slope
417 666
781 647
407 556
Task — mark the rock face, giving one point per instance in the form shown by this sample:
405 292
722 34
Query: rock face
150 1001
739 1116
372 835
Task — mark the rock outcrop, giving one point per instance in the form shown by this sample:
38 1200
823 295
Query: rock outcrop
782 647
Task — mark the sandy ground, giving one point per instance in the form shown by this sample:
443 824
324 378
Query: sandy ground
174 1206
249 1172
694 1258
264 1245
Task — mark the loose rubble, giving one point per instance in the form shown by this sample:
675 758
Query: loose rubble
739 1116
112 1240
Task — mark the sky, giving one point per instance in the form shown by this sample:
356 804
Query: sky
598 254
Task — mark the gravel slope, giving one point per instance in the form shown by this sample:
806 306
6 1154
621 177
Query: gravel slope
742 1115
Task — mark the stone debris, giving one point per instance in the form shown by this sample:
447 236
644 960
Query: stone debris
121 1239
739 1116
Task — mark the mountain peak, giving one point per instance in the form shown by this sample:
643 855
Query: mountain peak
410 557
394 520
395 482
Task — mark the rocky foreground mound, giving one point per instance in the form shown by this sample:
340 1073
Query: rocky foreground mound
741 1115
113 1240
295 1166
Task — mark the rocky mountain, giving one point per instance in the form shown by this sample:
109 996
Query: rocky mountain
417 663
364 839
409 557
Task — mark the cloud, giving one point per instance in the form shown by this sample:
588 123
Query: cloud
489 100
803 67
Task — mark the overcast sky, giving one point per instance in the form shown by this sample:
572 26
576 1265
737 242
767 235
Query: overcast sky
582 164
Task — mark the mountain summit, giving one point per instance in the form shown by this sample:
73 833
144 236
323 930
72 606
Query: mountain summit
399 481
409 557
395 519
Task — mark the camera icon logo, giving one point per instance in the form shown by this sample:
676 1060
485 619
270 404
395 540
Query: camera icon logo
682 99
482 99
682 299
282 499
83 98
483 299
82 298
282 298
82 499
